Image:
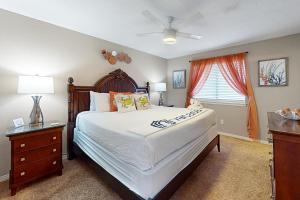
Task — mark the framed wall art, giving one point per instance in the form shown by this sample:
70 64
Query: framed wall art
179 79
273 72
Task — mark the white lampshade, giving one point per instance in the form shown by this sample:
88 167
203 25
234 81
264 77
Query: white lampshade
159 87
35 85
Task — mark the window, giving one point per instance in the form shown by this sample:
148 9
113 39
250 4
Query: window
217 90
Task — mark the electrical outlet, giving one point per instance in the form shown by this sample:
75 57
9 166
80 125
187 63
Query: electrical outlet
222 121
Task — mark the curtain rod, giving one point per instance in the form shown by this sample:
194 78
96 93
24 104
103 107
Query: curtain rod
216 56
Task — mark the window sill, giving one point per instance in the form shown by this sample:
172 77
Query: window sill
224 103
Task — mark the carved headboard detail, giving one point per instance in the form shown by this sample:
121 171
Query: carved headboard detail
116 81
79 96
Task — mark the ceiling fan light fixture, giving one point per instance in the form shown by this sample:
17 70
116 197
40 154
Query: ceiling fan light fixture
170 36
169 40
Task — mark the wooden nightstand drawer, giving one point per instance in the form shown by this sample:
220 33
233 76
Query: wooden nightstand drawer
26 157
29 143
36 169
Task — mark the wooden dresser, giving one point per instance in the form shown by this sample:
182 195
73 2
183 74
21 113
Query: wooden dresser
36 151
285 165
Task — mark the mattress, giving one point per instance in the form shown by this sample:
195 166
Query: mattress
150 182
111 130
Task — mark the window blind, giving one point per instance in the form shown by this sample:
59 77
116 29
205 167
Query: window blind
217 90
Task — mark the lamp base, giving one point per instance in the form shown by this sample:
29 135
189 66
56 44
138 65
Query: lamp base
36 116
161 101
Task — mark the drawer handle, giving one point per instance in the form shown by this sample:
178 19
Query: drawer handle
54 150
22 145
22 173
54 138
54 162
22 159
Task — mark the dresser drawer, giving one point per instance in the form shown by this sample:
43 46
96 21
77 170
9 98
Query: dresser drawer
34 142
30 171
26 157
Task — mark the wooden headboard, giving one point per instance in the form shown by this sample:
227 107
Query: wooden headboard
79 96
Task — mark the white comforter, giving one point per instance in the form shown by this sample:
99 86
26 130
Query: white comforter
112 131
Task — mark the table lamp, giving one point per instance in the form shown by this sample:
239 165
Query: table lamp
35 85
160 87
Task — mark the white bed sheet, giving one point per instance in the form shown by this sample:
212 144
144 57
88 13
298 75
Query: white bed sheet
145 183
111 131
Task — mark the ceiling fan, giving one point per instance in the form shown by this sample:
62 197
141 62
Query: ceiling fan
169 32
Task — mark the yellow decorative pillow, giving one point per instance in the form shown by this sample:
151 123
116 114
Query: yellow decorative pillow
125 103
142 101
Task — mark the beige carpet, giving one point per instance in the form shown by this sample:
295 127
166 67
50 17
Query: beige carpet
239 172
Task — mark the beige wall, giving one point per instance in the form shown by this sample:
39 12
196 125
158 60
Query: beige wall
268 99
29 46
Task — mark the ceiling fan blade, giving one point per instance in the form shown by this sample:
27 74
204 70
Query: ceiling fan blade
149 34
190 20
188 35
153 18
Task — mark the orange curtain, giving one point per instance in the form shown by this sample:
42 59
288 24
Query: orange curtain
199 73
236 73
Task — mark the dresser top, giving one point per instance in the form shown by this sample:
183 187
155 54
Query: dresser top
282 125
32 128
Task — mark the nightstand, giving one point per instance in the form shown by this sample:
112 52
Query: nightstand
36 151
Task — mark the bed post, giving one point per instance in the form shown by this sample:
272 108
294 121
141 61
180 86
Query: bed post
71 120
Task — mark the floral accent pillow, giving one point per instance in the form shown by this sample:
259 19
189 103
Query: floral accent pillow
125 103
142 101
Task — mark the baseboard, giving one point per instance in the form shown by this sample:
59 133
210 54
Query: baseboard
65 156
265 142
5 177
244 138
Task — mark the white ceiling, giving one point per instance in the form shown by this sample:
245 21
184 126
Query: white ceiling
224 22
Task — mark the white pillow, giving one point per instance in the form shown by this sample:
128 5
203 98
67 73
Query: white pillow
125 103
99 102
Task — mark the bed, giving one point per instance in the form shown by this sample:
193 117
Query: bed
136 167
